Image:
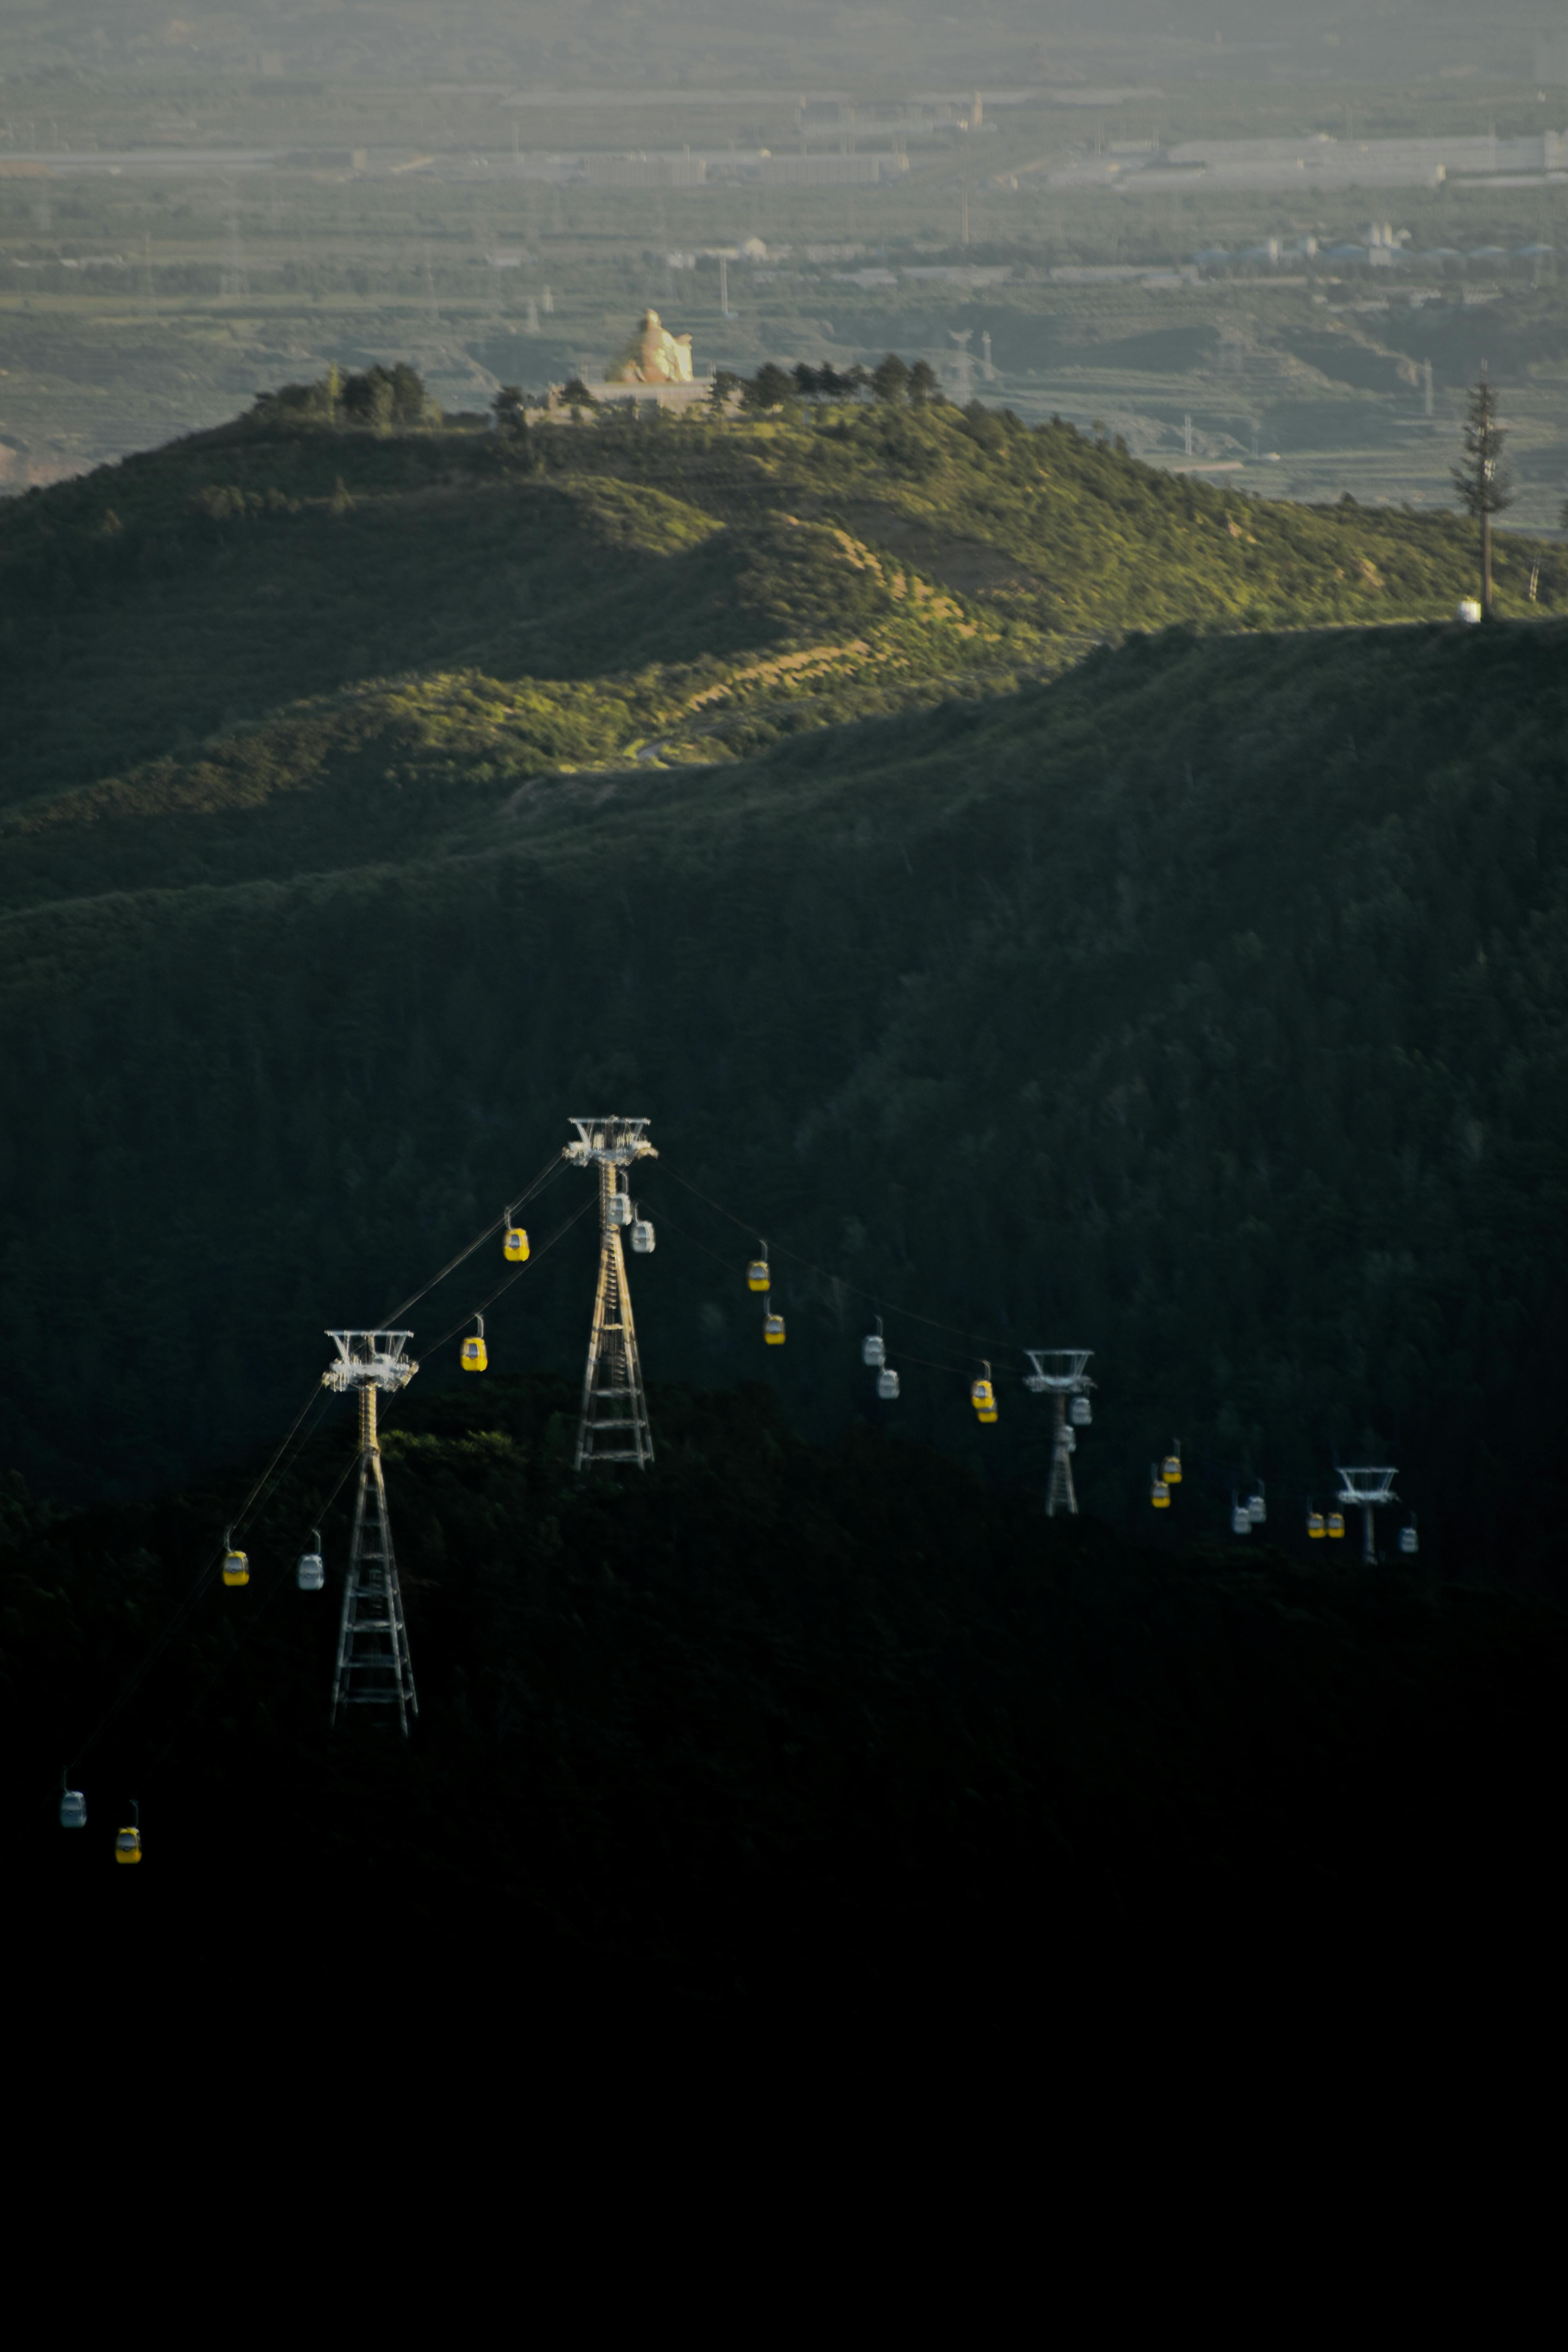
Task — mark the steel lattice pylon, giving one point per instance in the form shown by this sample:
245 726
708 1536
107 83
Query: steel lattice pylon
612 1425
1059 1373
374 1667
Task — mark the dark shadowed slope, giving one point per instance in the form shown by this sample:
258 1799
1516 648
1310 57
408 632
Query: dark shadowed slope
1206 1007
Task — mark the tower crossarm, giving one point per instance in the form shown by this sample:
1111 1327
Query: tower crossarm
364 1359
1057 1372
1367 1485
374 1667
613 1142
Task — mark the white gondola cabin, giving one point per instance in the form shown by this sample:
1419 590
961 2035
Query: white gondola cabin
311 1573
887 1384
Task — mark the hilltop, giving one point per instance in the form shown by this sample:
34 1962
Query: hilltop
440 600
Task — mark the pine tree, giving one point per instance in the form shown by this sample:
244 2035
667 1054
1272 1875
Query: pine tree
1483 484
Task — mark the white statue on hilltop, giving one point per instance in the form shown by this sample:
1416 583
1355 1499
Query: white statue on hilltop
653 356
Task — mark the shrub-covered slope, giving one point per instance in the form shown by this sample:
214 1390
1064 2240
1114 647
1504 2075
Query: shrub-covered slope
698 589
1207 1006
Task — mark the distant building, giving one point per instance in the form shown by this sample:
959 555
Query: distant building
1319 162
646 171
830 171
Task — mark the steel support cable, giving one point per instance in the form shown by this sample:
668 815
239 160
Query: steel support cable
241 1634
886 1304
958 1371
184 1609
323 1402
516 1276
551 1168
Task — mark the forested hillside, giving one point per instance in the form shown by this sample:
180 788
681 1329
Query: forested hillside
1204 1006
1044 904
814 1730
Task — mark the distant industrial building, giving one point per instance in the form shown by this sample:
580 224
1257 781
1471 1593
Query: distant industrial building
830 171
1319 162
684 171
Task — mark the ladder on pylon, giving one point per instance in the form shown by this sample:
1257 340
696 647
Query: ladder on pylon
613 1425
374 1667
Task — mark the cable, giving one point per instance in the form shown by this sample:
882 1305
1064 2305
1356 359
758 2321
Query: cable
551 1168
958 1371
502 1288
886 1306
184 1609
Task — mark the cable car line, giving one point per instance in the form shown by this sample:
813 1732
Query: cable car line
929 1362
888 1306
551 1168
515 1276
1165 1473
184 1609
266 1484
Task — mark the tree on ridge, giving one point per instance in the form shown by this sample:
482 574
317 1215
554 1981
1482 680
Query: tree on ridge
1482 483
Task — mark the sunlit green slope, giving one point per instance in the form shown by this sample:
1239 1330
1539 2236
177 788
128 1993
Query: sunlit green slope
426 605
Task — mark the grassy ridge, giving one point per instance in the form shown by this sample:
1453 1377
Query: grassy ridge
883 558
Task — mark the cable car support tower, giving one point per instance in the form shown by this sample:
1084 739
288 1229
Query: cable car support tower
1059 1373
374 1667
1367 1490
612 1425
